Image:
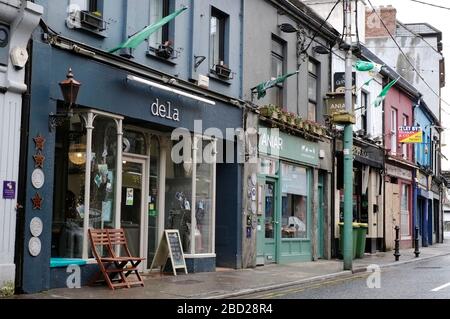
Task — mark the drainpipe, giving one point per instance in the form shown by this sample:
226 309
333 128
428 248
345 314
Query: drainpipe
241 52
21 193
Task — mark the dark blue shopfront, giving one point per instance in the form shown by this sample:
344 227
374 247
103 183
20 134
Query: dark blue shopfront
113 159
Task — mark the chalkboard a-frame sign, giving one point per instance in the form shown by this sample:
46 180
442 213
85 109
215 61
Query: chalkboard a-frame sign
170 246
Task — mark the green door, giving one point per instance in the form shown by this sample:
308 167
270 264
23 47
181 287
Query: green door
267 221
320 221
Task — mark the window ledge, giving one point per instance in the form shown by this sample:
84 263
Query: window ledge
100 34
218 79
152 55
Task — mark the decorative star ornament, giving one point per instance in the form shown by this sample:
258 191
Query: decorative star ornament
39 160
39 141
37 201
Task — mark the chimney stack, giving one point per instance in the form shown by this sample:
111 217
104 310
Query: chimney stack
374 27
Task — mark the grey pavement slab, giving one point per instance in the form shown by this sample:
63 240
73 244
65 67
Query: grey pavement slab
226 283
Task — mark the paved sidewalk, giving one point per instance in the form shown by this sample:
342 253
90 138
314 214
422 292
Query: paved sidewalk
226 283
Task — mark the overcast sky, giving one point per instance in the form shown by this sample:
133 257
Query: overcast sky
409 11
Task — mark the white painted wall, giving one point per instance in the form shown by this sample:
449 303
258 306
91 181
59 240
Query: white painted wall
421 54
323 8
23 17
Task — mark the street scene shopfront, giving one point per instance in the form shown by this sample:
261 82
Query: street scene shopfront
285 194
367 190
118 163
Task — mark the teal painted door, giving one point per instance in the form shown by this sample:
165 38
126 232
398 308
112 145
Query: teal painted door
320 221
270 221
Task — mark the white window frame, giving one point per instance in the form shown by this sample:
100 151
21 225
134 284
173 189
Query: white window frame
405 213
394 128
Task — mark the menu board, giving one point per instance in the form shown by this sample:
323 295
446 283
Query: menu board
170 247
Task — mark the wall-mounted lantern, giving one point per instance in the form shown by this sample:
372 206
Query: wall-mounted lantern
69 89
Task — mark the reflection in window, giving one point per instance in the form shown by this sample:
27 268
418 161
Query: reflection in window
134 143
70 159
178 198
153 199
158 10
204 197
103 173
69 210
180 210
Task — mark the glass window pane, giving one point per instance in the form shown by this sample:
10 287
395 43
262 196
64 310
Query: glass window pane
178 197
294 202
312 111
153 199
103 173
203 198
312 68
214 41
269 209
156 14
70 169
312 88
134 143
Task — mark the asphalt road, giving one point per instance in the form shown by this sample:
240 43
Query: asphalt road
421 280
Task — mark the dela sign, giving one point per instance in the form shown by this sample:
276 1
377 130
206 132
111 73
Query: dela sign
410 134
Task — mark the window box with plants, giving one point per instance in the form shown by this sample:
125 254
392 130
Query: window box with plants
222 71
270 111
165 50
92 20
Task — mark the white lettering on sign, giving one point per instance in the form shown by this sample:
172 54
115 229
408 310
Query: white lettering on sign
164 111
410 129
308 150
274 142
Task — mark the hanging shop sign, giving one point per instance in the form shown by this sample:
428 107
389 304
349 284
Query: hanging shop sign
279 144
335 102
165 111
339 81
410 134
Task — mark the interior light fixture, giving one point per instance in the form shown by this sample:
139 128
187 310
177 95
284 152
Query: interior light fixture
169 89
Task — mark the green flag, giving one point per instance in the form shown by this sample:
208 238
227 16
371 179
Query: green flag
368 66
383 93
134 41
263 87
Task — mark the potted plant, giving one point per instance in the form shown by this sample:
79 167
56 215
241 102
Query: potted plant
283 116
299 122
291 118
270 111
222 70
306 125
165 50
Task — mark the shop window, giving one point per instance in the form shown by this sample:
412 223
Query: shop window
70 213
204 206
191 212
405 223
70 159
153 196
294 214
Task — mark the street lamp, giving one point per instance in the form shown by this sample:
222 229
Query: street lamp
69 89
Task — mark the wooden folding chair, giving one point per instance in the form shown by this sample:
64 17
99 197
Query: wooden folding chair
111 267
118 244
